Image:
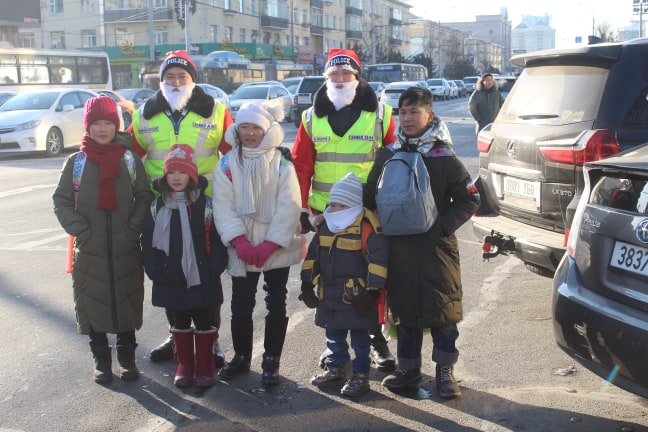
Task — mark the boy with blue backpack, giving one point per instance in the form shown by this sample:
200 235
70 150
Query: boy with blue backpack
424 277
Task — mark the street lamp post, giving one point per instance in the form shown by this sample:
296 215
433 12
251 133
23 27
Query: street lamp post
373 33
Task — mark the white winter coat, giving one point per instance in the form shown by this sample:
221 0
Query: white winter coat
231 221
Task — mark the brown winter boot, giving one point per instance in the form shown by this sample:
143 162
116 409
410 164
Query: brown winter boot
205 357
126 357
183 346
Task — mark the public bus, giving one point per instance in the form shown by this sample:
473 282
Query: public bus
393 72
24 69
222 74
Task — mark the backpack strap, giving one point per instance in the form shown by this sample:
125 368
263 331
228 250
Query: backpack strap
308 121
79 164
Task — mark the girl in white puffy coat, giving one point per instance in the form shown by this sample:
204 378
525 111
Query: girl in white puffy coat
256 211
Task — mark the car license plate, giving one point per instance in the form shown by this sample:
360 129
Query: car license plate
303 99
628 257
528 191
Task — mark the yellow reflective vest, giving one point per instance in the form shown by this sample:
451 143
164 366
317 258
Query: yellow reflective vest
336 156
157 135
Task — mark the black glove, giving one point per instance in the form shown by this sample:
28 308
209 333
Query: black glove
365 302
307 226
308 295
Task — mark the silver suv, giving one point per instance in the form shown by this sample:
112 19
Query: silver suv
568 107
303 95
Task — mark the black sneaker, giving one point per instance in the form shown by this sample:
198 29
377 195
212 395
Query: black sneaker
402 378
446 383
356 386
330 376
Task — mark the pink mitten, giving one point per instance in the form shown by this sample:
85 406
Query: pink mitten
264 250
244 249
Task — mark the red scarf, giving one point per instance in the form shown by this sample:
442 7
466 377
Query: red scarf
108 158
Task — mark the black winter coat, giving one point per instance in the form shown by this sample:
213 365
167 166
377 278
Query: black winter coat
169 283
424 275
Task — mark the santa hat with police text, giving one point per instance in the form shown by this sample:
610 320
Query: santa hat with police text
100 108
348 59
180 59
181 157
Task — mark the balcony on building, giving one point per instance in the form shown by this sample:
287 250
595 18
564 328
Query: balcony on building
274 22
354 34
395 22
317 30
137 15
350 10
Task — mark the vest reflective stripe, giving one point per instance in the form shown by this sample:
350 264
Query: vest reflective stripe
336 156
156 136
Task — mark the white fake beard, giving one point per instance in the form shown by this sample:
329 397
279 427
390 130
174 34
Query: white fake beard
177 99
341 97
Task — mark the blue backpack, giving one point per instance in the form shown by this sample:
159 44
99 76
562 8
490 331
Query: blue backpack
404 196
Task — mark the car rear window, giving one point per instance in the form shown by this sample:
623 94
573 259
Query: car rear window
533 99
310 85
621 192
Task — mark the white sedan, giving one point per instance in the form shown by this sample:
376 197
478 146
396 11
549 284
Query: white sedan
43 120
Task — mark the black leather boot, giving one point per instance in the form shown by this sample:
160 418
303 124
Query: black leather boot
164 351
270 366
275 335
239 365
380 355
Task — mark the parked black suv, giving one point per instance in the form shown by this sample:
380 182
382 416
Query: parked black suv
303 96
568 107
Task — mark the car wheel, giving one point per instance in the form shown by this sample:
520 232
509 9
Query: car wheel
127 119
542 271
54 142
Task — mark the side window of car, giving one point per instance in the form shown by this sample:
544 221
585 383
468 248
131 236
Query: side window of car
83 97
68 99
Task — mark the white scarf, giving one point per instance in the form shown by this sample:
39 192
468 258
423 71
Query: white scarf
341 219
259 183
162 231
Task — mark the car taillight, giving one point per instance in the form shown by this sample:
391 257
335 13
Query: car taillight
598 145
295 101
484 140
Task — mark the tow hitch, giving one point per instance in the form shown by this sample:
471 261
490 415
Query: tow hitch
496 244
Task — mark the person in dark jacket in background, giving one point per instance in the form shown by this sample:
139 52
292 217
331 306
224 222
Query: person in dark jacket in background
184 257
101 199
349 280
485 102
424 278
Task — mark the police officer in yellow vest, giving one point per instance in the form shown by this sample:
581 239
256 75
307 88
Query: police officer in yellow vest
181 113
339 134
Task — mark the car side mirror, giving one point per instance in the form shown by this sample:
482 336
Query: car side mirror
68 108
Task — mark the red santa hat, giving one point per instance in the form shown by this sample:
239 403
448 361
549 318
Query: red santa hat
348 59
181 157
180 59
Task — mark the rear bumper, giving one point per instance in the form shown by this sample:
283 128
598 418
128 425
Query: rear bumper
532 245
599 332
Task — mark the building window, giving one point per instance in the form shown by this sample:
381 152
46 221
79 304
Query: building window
161 35
304 16
266 37
88 38
254 36
229 31
87 6
213 33
242 35
316 17
241 8
227 4
295 15
277 38
56 7
58 40
124 36
306 40
288 40
253 7
160 3
25 40
334 22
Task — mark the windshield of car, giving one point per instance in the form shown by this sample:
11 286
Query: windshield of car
532 98
434 82
127 93
251 92
30 101
311 85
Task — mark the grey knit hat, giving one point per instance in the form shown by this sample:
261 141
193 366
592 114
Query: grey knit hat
347 191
